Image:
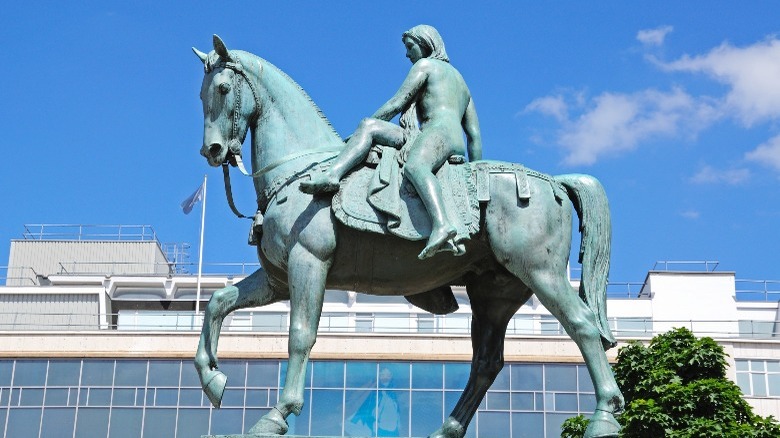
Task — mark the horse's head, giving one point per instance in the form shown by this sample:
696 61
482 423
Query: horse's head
230 102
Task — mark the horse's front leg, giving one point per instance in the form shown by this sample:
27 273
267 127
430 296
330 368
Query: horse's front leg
252 291
306 276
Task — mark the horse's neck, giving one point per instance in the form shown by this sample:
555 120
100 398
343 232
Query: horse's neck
290 124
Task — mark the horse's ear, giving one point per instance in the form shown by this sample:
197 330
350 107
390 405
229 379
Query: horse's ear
202 56
219 47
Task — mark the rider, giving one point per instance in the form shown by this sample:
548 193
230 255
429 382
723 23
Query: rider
436 92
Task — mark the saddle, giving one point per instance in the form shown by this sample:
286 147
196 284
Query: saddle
381 200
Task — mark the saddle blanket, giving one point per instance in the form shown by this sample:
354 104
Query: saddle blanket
382 201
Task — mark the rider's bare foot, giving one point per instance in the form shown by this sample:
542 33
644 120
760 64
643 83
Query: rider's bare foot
439 241
320 183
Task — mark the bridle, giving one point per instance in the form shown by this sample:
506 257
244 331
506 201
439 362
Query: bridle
234 144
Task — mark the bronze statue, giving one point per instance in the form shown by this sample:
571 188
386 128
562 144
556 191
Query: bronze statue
518 220
435 95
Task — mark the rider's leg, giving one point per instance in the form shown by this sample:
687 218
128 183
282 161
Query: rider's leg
425 157
368 132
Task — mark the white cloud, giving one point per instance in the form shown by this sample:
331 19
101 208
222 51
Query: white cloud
654 37
554 106
615 122
690 214
709 175
767 153
752 74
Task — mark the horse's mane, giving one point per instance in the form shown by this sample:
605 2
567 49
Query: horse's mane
298 87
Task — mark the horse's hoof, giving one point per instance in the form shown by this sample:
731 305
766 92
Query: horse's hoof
602 425
450 429
272 423
214 386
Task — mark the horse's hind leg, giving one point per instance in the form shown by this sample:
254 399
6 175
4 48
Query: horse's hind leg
252 291
494 300
557 295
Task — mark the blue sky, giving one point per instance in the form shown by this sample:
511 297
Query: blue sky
674 106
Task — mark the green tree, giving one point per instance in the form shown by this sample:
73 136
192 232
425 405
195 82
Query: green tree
676 387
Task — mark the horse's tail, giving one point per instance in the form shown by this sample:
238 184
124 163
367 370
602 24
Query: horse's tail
590 202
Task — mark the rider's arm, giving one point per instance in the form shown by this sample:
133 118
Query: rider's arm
412 85
470 125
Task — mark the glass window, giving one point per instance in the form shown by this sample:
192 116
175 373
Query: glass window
527 425
326 411
263 374
361 374
64 373
126 422
560 378
774 385
30 373
97 373
235 370
257 398
161 423
759 384
190 397
554 423
131 373
493 424
56 397
523 401
23 422
6 367
426 375
99 397
189 377
31 397
742 365
359 410
124 397
399 372
425 323
566 402
773 366
269 321
757 365
498 401
526 377
164 373
456 375
192 422
502 380
166 397
92 422
587 403
58 422
583 377
328 374
427 412
233 397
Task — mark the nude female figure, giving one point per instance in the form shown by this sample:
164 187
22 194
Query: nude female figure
436 93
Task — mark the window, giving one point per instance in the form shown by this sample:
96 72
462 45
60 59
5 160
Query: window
758 377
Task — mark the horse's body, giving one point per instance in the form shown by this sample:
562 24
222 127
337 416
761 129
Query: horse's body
522 248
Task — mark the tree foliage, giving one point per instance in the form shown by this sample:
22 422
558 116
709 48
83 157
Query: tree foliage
676 387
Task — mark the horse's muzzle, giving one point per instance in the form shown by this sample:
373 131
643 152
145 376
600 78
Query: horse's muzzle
215 153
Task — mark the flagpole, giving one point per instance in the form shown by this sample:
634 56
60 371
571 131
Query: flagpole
200 248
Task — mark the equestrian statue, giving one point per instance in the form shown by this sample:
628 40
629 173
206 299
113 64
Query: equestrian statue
400 210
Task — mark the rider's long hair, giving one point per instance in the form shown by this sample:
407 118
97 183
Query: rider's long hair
428 38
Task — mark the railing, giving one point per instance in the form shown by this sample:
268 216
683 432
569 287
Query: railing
625 290
137 268
18 276
89 232
376 323
686 265
758 290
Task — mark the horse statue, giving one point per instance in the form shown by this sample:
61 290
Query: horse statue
522 246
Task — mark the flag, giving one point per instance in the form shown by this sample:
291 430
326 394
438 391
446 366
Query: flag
193 199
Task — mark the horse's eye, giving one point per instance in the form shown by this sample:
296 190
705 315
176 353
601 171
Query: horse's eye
224 88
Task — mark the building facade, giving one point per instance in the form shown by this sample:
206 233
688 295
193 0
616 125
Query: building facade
98 330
